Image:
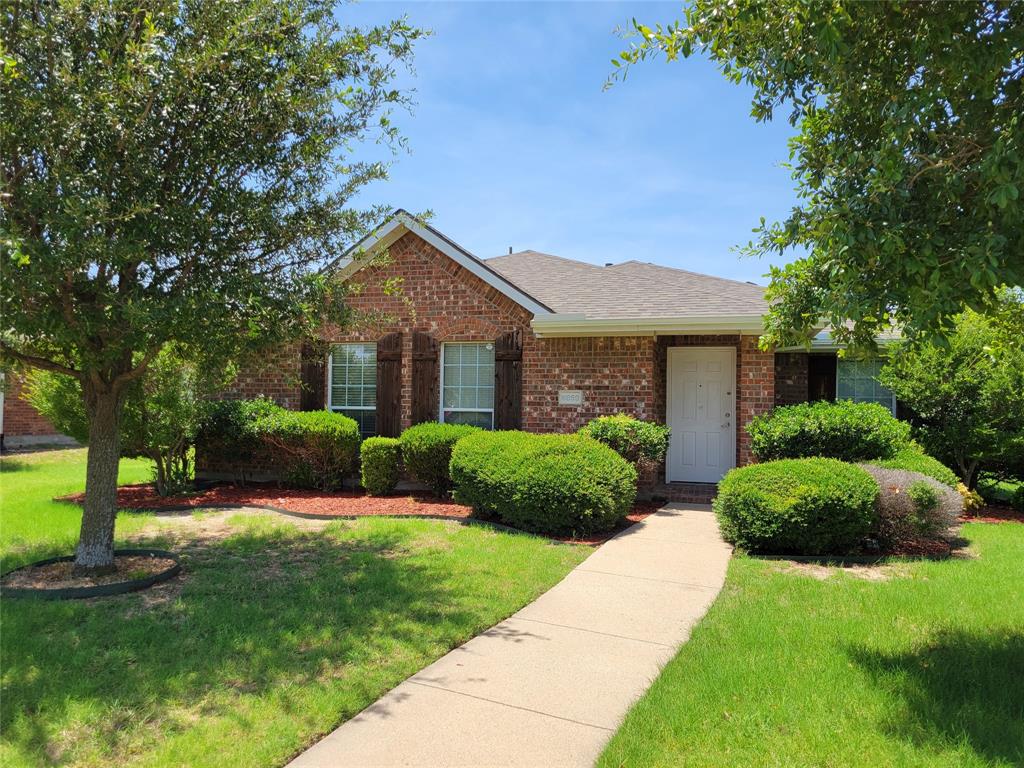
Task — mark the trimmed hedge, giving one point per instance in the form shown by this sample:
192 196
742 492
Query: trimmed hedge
634 440
380 464
812 506
319 447
427 450
914 459
553 484
841 430
315 449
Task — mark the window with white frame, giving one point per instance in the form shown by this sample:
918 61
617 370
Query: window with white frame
352 389
857 380
467 384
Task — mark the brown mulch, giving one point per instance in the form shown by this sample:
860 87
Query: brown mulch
993 513
327 504
58 575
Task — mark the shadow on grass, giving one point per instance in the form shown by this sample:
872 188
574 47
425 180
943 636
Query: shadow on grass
8 464
266 611
960 687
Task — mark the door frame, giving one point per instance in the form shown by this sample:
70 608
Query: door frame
671 353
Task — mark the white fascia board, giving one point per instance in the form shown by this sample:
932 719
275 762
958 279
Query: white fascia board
403 222
554 325
823 342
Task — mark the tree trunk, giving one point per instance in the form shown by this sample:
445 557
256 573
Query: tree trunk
95 552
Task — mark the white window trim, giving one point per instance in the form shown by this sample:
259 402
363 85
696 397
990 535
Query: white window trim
329 400
892 406
440 397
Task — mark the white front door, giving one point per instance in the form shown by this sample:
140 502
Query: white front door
701 411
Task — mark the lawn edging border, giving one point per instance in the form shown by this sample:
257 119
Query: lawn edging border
841 560
99 590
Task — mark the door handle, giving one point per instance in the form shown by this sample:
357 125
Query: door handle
723 426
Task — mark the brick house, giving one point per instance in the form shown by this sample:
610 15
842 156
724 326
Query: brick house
21 425
537 342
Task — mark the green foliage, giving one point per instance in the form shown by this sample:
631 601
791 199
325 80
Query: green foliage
162 413
841 430
634 440
319 448
556 484
427 450
312 449
914 459
1017 500
967 395
380 464
924 497
178 173
908 157
797 506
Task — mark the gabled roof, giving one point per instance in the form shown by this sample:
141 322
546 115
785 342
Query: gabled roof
574 298
402 222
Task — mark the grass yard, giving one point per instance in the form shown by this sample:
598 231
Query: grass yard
923 669
278 630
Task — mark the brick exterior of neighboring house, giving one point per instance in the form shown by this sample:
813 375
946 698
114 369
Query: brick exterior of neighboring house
624 373
22 424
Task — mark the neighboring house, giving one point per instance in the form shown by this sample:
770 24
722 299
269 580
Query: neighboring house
537 342
21 425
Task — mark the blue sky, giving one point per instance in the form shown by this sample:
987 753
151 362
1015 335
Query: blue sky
513 142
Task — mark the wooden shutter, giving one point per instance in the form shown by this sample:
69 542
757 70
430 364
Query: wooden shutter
311 374
389 385
425 403
508 381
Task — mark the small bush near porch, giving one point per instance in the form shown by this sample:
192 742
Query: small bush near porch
277 630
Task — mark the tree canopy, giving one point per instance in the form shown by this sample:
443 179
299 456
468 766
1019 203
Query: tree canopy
174 171
908 158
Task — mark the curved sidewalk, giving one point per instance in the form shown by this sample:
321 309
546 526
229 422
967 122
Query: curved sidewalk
549 685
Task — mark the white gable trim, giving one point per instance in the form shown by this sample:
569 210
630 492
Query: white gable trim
401 223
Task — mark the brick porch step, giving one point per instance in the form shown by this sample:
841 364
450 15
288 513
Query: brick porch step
692 493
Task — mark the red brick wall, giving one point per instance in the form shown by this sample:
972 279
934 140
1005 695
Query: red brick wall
790 377
756 389
615 374
20 418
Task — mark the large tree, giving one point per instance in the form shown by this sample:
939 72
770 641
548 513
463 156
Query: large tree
172 172
908 156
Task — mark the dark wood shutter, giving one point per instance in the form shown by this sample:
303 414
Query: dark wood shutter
425 403
311 374
508 381
389 385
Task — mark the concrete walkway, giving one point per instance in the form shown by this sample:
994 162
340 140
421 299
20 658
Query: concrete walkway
549 686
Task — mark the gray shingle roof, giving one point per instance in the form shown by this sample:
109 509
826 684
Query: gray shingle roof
632 289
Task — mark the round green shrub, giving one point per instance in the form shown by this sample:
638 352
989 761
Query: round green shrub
797 506
427 449
914 459
319 447
841 430
380 464
553 484
1017 500
634 440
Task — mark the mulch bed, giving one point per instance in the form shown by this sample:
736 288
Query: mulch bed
994 513
59 576
324 504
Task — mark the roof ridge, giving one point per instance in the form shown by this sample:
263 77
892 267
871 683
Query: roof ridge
689 272
542 253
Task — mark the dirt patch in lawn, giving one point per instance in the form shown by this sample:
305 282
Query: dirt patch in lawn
822 572
59 575
322 505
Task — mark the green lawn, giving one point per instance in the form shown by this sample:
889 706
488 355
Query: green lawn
276 633
924 669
